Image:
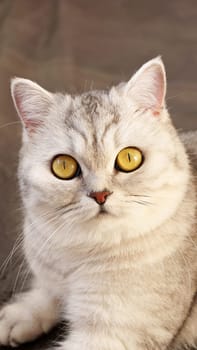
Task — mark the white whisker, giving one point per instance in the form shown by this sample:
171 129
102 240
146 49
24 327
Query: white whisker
9 124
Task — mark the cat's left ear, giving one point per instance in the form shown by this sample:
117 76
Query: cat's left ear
147 87
32 103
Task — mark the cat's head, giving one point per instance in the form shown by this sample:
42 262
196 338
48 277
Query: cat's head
102 158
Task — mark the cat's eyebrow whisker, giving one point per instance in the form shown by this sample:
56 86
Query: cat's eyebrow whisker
91 84
175 96
9 124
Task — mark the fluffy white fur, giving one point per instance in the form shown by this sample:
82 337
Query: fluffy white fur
126 279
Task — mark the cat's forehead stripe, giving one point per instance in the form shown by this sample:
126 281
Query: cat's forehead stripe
92 116
91 102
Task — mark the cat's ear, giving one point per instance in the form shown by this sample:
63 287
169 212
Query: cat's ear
147 87
31 101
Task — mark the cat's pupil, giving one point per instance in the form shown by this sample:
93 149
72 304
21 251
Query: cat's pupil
129 157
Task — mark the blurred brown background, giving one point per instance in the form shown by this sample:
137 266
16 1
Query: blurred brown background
76 45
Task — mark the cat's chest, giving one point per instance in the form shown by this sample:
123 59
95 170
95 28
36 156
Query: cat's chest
122 293
112 272
115 274
105 286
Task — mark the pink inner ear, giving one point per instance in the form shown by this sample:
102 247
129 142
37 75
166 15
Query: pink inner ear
29 123
148 87
156 113
159 90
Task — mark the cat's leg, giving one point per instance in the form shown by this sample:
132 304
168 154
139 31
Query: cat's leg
188 335
28 316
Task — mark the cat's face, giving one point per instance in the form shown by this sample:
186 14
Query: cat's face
101 159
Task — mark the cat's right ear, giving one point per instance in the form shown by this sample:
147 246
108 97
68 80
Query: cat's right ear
32 103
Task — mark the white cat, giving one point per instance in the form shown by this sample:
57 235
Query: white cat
110 228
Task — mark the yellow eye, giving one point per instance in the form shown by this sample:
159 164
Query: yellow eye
65 167
128 159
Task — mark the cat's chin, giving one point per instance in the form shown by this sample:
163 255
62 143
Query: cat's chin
103 213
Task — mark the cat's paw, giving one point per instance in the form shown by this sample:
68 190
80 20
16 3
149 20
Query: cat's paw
32 314
18 325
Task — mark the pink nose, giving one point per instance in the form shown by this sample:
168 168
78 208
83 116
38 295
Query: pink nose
100 197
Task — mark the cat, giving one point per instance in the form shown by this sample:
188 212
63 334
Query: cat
110 234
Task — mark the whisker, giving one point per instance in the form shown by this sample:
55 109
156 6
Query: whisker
139 195
68 207
142 202
17 276
27 272
17 245
9 124
48 239
70 211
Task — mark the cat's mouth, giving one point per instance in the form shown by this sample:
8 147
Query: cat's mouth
102 211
